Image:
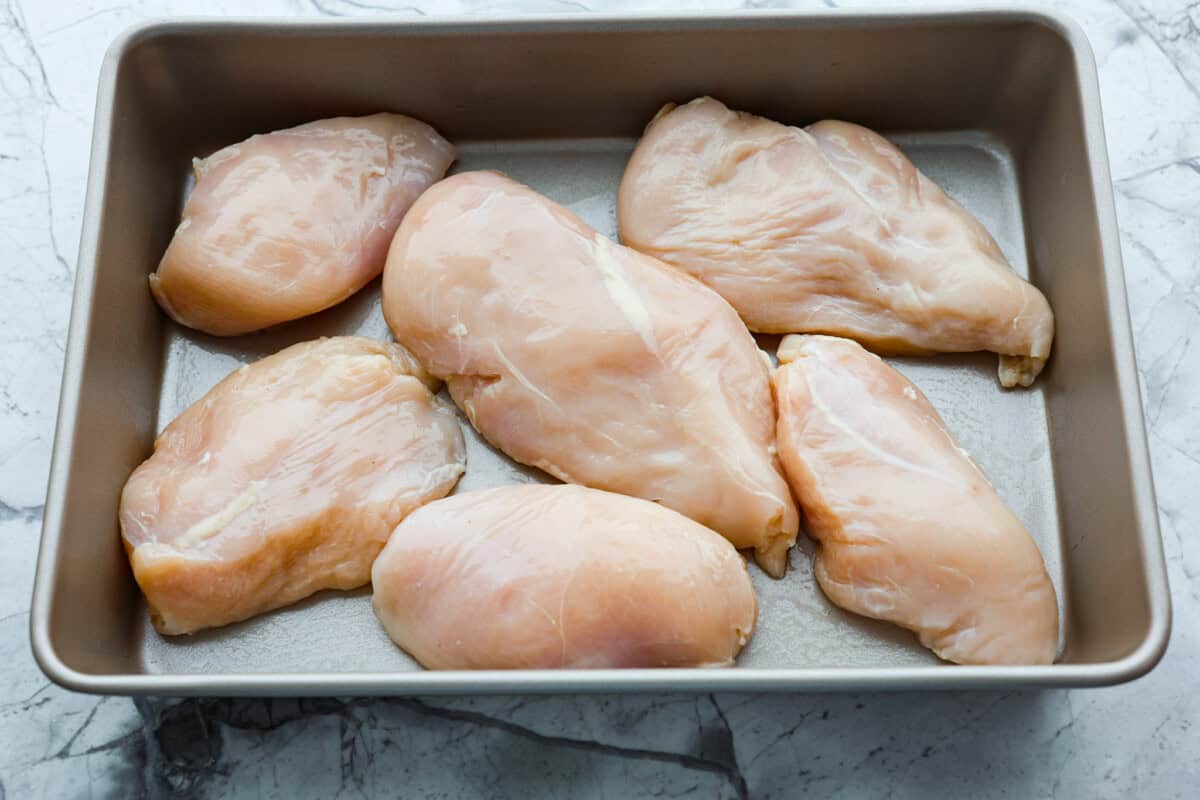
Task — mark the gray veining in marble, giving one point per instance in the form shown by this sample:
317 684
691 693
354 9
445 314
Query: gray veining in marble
1134 740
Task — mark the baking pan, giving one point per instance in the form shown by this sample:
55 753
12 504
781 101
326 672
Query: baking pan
1000 107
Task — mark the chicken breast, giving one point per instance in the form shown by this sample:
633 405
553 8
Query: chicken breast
285 479
546 577
909 528
286 224
827 229
593 362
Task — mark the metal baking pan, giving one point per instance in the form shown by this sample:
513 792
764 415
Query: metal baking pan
1000 107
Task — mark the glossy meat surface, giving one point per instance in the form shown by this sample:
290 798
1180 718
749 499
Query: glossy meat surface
288 223
539 577
910 529
827 229
593 362
285 479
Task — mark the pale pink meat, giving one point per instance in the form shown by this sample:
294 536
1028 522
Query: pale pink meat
910 529
288 223
591 361
827 229
285 479
541 577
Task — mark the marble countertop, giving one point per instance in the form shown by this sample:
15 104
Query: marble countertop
1135 739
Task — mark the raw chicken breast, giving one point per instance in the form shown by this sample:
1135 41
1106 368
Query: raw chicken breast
909 528
591 361
827 229
285 479
286 224
540 577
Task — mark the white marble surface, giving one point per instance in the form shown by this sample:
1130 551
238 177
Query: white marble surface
1133 740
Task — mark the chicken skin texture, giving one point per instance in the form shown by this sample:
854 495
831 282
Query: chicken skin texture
289 223
910 529
600 365
547 577
827 229
285 479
